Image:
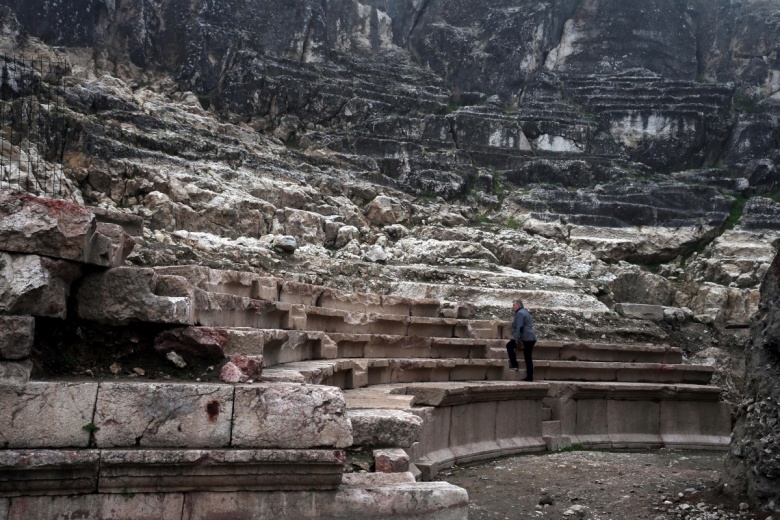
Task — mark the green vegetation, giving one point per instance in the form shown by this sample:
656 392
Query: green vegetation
512 223
90 427
450 108
735 213
744 102
573 447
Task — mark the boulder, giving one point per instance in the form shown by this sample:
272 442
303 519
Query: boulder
35 285
124 294
385 210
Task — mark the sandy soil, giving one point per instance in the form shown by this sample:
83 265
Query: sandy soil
605 485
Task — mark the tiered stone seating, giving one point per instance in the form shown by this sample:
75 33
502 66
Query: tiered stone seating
322 336
327 370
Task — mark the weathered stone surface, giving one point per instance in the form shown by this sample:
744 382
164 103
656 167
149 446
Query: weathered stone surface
204 342
394 460
35 285
155 471
99 507
385 210
45 227
47 415
16 336
290 416
163 415
241 369
419 500
48 472
125 294
752 463
385 428
15 372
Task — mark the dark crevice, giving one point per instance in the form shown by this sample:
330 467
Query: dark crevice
416 22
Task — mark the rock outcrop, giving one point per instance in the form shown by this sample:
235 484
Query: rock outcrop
753 463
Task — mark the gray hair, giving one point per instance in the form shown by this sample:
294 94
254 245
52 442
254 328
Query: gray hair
519 302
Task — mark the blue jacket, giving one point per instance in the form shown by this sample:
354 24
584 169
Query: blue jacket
523 326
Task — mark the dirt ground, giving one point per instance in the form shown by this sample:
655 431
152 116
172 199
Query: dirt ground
600 485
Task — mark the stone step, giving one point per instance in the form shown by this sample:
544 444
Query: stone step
257 287
50 472
356 373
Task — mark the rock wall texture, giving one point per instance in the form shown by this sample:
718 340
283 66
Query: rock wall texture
754 460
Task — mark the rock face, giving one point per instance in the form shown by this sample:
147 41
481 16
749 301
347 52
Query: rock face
753 462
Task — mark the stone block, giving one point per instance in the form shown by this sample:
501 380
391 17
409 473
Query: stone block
5 505
557 443
353 302
99 507
16 336
163 415
46 415
166 471
299 293
133 225
202 342
35 285
633 423
551 429
241 369
377 479
641 311
290 416
393 460
591 423
385 428
15 372
124 294
48 472
109 246
695 424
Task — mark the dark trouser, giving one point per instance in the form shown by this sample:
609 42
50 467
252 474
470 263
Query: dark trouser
528 349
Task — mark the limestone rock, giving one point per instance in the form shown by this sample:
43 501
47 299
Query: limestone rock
16 336
35 285
385 210
385 428
47 415
204 342
163 415
127 294
290 416
15 372
285 244
241 369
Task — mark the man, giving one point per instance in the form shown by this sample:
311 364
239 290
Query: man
523 335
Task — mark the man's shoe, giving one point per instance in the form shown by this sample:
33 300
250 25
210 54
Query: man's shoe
514 369
528 379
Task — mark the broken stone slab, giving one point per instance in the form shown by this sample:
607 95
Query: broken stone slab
166 471
124 294
35 285
47 415
16 336
391 460
290 416
385 428
109 246
48 472
203 342
377 479
375 398
241 369
163 415
162 506
133 225
641 311
15 372
59 229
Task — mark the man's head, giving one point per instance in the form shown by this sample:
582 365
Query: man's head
517 305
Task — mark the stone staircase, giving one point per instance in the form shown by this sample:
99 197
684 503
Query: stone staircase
310 375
